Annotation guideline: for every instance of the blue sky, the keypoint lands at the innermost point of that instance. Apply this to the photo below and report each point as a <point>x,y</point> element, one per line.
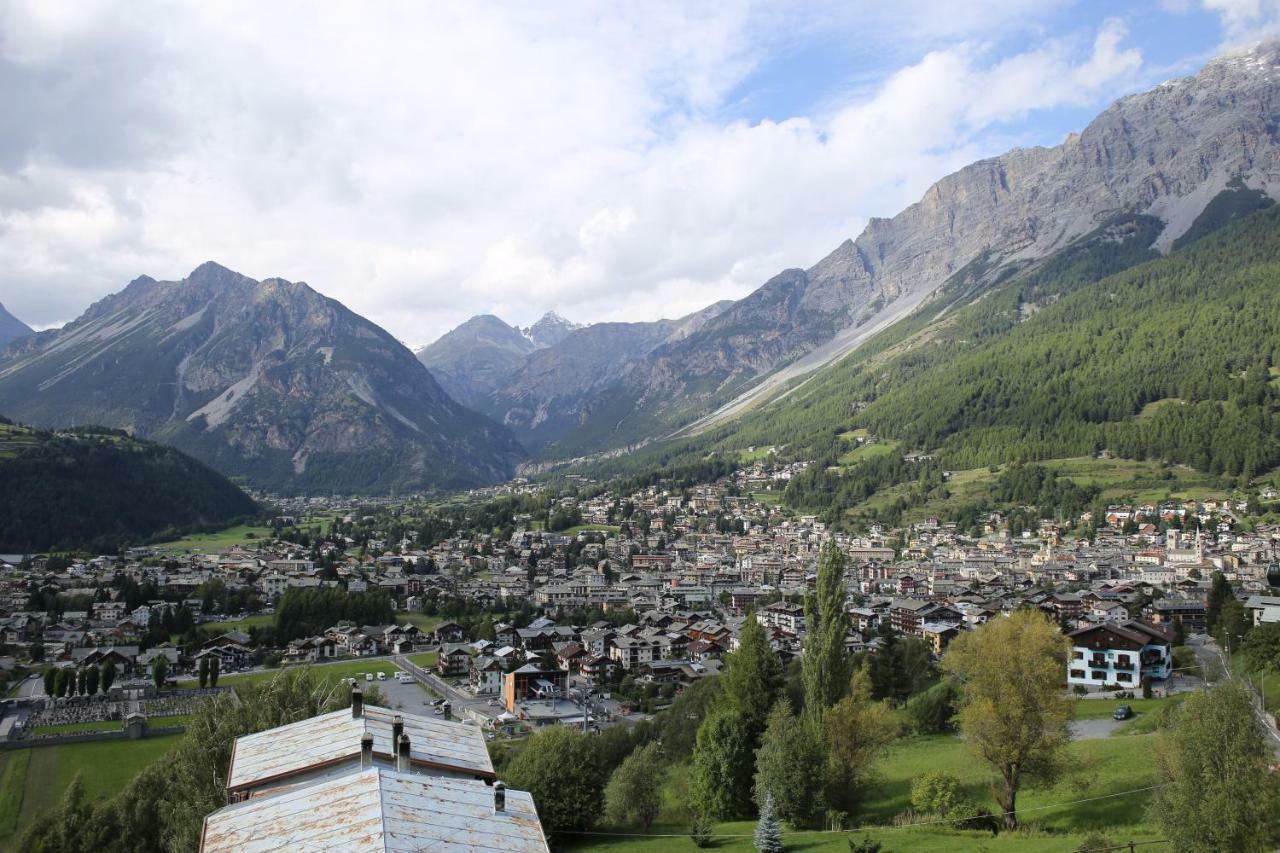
<point>609,160</point>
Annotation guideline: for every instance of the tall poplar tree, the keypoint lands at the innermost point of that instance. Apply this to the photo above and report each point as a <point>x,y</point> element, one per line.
<point>826,664</point>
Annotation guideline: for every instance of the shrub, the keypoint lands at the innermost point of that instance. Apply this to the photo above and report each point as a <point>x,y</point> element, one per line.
<point>700,831</point>
<point>936,793</point>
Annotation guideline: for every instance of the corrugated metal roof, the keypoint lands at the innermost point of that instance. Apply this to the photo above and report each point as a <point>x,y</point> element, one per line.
<point>335,737</point>
<point>375,810</point>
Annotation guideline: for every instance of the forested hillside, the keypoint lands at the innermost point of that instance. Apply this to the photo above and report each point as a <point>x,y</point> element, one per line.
<point>96,489</point>
<point>1099,348</point>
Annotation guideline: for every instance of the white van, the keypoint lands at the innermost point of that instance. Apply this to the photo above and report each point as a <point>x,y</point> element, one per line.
<point>382,676</point>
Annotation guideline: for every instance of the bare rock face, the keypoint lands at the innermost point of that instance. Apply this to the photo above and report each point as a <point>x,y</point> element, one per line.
<point>11,329</point>
<point>268,381</point>
<point>550,330</point>
<point>474,359</point>
<point>1167,153</point>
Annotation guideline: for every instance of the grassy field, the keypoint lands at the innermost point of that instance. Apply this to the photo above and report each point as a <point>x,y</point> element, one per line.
<point>258,620</point>
<point>771,498</point>
<point>421,621</point>
<point>867,451</point>
<point>1114,766</point>
<point>426,659</point>
<point>32,780</point>
<point>328,673</point>
<point>596,528</point>
<point>13,780</point>
<point>749,455</point>
<point>221,540</point>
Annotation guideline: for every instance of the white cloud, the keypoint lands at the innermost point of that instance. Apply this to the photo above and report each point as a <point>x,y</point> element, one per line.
<point>423,163</point>
<point>1246,21</point>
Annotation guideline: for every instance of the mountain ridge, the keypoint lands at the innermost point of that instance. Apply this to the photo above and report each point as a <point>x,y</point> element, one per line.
<point>1167,153</point>
<point>11,328</point>
<point>267,380</point>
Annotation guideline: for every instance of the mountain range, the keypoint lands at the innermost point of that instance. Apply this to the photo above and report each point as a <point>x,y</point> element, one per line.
<point>267,381</point>
<point>1166,154</point>
<point>275,384</point>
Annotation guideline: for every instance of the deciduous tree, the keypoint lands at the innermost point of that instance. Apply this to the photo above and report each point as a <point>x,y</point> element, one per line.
<point>826,663</point>
<point>635,788</point>
<point>1218,793</point>
<point>1014,715</point>
<point>561,768</point>
<point>855,734</point>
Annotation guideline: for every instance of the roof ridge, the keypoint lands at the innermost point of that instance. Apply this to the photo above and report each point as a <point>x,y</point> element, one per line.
<point>382,808</point>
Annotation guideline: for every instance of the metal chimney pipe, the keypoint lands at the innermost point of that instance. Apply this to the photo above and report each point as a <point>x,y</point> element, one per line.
<point>448,711</point>
<point>499,798</point>
<point>402,755</point>
<point>397,728</point>
<point>366,751</point>
<point>357,703</point>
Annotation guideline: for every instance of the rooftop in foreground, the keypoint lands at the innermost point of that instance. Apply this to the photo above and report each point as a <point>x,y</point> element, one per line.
<point>379,809</point>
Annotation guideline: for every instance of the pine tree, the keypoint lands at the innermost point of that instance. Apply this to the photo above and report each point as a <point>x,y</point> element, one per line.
<point>768,837</point>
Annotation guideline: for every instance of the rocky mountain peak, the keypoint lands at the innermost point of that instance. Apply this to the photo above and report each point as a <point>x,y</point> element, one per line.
<point>266,380</point>
<point>11,328</point>
<point>550,330</point>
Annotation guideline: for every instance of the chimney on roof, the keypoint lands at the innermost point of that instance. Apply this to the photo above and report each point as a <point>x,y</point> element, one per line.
<point>397,728</point>
<point>366,750</point>
<point>402,754</point>
<point>499,798</point>
<point>448,711</point>
<point>357,703</point>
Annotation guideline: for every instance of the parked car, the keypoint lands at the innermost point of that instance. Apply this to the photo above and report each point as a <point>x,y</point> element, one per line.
<point>1124,712</point>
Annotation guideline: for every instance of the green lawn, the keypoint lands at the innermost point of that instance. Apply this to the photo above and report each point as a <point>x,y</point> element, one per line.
<point>589,528</point>
<point>258,620</point>
<point>1116,765</point>
<point>13,779</point>
<point>868,451</point>
<point>329,673</point>
<point>747,455</point>
<point>421,621</point>
<point>220,540</point>
<point>425,659</point>
<point>33,779</point>
<point>771,498</point>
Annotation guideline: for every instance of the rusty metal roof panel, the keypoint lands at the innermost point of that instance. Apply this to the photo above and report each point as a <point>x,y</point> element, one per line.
<point>335,737</point>
<point>377,810</point>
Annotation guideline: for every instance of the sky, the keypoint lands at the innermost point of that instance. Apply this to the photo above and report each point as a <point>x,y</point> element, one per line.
<point>423,162</point>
